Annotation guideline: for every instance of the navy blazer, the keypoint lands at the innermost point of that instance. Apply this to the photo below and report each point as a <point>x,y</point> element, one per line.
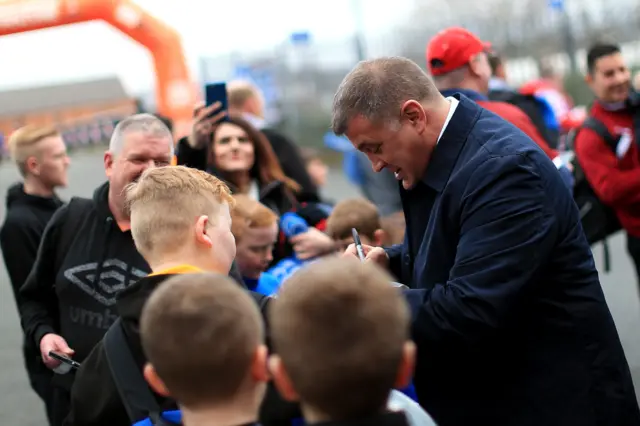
<point>510,320</point>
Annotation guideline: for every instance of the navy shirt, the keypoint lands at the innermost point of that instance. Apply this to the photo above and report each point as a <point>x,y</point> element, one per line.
<point>510,320</point>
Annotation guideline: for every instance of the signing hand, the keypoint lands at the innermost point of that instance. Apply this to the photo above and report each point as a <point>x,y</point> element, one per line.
<point>373,254</point>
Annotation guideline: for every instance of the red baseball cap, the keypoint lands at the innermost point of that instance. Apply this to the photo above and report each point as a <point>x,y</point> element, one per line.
<point>453,48</point>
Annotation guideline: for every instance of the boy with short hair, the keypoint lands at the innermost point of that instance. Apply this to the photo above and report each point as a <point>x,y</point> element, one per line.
<point>341,337</point>
<point>255,228</point>
<point>315,166</point>
<point>360,214</point>
<point>184,326</point>
<point>181,224</point>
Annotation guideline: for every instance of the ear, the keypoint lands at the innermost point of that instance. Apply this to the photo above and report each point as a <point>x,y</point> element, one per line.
<point>281,379</point>
<point>588,78</point>
<point>259,367</point>
<point>108,163</point>
<point>154,380</point>
<point>407,365</point>
<point>379,237</point>
<point>201,229</point>
<point>413,112</point>
<point>32,165</point>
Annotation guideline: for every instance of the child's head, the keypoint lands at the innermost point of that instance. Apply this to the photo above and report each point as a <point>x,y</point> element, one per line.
<point>203,339</point>
<point>316,168</point>
<point>341,335</point>
<point>255,228</point>
<point>181,215</point>
<point>355,213</point>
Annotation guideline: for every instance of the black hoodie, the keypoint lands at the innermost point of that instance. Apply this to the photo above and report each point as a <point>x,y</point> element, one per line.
<point>102,405</point>
<point>20,235</point>
<point>62,295</point>
<point>27,216</point>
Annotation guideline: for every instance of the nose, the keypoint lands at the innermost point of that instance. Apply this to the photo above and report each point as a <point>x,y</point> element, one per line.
<point>268,258</point>
<point>377,164</point>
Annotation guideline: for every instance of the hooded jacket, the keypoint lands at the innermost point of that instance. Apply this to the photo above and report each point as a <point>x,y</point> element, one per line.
<point>102,405</point>
<point>20,235</point>
<point>63,294</point>
<point>25,221</point>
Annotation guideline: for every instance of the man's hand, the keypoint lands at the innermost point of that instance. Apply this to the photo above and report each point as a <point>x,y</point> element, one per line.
<point>205,119</point>
<point>311,244</point>
<point>371,254</point>
<point>54,343</point>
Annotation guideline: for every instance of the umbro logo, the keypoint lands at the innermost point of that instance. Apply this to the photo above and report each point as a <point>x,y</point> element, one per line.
<point>115,276</point>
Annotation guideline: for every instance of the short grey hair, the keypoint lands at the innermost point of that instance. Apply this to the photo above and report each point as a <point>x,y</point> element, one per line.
<point>148,124</point>
<point>376,89</point>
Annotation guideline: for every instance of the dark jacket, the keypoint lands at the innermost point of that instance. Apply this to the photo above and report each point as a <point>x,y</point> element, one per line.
<point>614,178</point>
<point>509,317</point>
<point>93,405</point>
<point>20,235</point>
<point>63,294</point>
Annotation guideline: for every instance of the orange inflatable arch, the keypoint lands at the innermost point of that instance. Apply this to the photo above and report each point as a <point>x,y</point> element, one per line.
<point>175,91</point>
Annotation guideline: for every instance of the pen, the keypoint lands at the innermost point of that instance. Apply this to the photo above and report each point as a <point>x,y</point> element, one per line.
<point>356,240</point>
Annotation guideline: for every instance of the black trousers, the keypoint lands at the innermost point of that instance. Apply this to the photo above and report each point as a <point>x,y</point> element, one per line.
<point>60,405</point>
<point>39,377</point>
<point>633,247</point>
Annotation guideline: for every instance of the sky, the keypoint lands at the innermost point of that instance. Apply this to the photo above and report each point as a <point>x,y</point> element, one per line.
<point>208,28</point>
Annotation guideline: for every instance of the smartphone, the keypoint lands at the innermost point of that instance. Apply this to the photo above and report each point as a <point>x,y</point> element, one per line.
<point>217,92</point>
<point>65,360</point>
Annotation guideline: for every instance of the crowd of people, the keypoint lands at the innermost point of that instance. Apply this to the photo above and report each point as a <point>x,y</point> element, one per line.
<point>208,282</point>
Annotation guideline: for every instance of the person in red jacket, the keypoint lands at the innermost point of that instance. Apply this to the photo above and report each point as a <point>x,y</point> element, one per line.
<point>614,176</point>
<point>458,61</point>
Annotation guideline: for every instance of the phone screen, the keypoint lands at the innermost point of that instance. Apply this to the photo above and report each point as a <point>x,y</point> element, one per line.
<point>217,92</point>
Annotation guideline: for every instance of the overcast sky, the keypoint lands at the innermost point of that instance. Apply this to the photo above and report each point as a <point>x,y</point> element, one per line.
<point>208,28</point>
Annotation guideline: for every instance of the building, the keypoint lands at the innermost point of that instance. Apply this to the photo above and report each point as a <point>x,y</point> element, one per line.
<point>84,111</point>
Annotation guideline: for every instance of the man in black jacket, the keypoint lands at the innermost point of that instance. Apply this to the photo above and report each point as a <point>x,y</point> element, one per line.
<point>87,256</point>
<point>41,157</point>
<point>192,235</point>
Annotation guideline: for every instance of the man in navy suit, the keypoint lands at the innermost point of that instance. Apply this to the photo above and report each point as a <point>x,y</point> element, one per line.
<point>509,318</point>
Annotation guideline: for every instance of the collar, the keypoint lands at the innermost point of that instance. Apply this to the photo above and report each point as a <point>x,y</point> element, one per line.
<point>175,270</point>
<point>452,108</point>
<point>395,418</point>
<point>471,94</point>
<point>453,138</point>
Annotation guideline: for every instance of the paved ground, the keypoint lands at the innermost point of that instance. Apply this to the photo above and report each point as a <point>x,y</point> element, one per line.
<point>19,407</point>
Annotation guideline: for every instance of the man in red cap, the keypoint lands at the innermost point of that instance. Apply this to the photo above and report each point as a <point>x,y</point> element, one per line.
<point>459,63</point>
